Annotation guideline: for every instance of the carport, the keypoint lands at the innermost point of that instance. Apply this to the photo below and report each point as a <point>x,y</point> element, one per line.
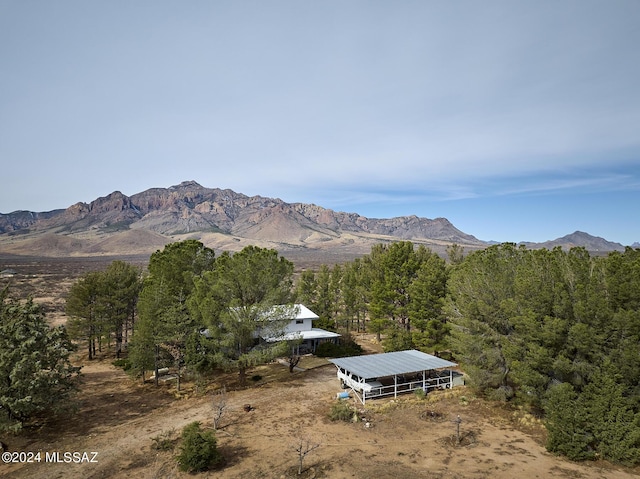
<point>388,374</point>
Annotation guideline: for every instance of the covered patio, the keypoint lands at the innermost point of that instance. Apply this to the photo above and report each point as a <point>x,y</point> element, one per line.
<point>389,374</point>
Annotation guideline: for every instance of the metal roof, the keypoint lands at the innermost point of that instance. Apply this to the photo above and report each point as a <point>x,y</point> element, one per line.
<point>391,364</point>
<point>313,333</point>
<point>300,311</point>
<point>304,312</point>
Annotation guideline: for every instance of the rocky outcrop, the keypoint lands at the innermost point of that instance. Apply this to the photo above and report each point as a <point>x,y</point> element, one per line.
<point>22,221</point>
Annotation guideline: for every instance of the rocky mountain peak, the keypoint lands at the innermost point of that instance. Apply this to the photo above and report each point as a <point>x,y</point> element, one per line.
<point>186,184</point>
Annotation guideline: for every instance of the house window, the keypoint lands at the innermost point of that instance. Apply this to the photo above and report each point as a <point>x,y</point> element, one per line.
<point>299,321</point>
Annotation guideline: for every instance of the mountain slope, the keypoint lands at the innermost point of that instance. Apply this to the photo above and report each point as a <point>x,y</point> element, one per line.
<point>215,216</point>
<point>580,239</point>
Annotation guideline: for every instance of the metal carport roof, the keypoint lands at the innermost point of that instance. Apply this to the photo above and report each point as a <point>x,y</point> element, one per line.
<point>391,364</point>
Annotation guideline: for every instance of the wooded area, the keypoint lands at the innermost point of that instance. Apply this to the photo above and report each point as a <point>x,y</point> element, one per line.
<point>554,331</point>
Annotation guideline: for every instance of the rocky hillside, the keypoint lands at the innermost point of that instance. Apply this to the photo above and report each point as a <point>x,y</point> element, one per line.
<point>220,218</point>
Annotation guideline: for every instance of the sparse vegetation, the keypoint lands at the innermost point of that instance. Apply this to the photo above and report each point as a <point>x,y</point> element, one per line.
<point>165,441</point>
<point>342,411</point>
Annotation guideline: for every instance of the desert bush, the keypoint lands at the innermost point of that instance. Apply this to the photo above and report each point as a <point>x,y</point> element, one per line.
<point>198,451</point>
<point>341,411</point>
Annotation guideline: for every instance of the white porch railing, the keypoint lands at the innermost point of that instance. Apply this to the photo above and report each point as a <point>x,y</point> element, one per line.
<point>382,388</point>
<point>393,389</point>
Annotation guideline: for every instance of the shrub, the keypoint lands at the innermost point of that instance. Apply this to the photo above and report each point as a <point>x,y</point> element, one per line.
<point>341,411</point>
<point>346,347</point>
<point>198,451</point>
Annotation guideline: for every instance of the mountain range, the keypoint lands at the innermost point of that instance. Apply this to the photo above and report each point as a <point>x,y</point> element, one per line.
<point>223,219</point>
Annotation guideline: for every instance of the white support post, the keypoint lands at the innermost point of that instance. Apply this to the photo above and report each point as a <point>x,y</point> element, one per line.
<point>395,385</point>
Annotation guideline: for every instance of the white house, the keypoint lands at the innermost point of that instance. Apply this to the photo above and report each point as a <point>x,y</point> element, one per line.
<point>301,328</point>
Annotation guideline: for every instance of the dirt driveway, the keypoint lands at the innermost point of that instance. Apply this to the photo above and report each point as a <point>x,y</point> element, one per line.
<point>406,437</point>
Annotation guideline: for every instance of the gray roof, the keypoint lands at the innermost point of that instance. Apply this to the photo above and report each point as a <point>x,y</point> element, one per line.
<point>391,364</point>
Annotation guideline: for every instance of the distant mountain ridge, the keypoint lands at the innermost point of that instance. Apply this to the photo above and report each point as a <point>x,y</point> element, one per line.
<point>579,239</point>
<point>189,207</point>
<point>222,218</point>
<point>218,217</point>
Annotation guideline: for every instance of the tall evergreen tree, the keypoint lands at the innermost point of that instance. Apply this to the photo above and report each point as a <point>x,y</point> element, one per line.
<point>559,331</point>
<point>236,301</point>
<point>120,289</point>
<point>102,304</point>
<point>164,318</point>
<point>355,294</point>
<point>85,312</point>
<point>394,268</point>
<point>482,307</point>
<point>427,293</point>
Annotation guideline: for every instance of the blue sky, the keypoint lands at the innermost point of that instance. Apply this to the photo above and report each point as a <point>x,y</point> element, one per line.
<point>517,121</point>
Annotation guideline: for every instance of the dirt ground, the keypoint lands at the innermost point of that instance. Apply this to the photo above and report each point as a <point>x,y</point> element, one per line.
<point>119,418</point>
<point>122,420</point>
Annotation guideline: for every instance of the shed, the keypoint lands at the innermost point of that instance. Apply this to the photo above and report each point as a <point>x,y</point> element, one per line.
<point>387,374</point>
